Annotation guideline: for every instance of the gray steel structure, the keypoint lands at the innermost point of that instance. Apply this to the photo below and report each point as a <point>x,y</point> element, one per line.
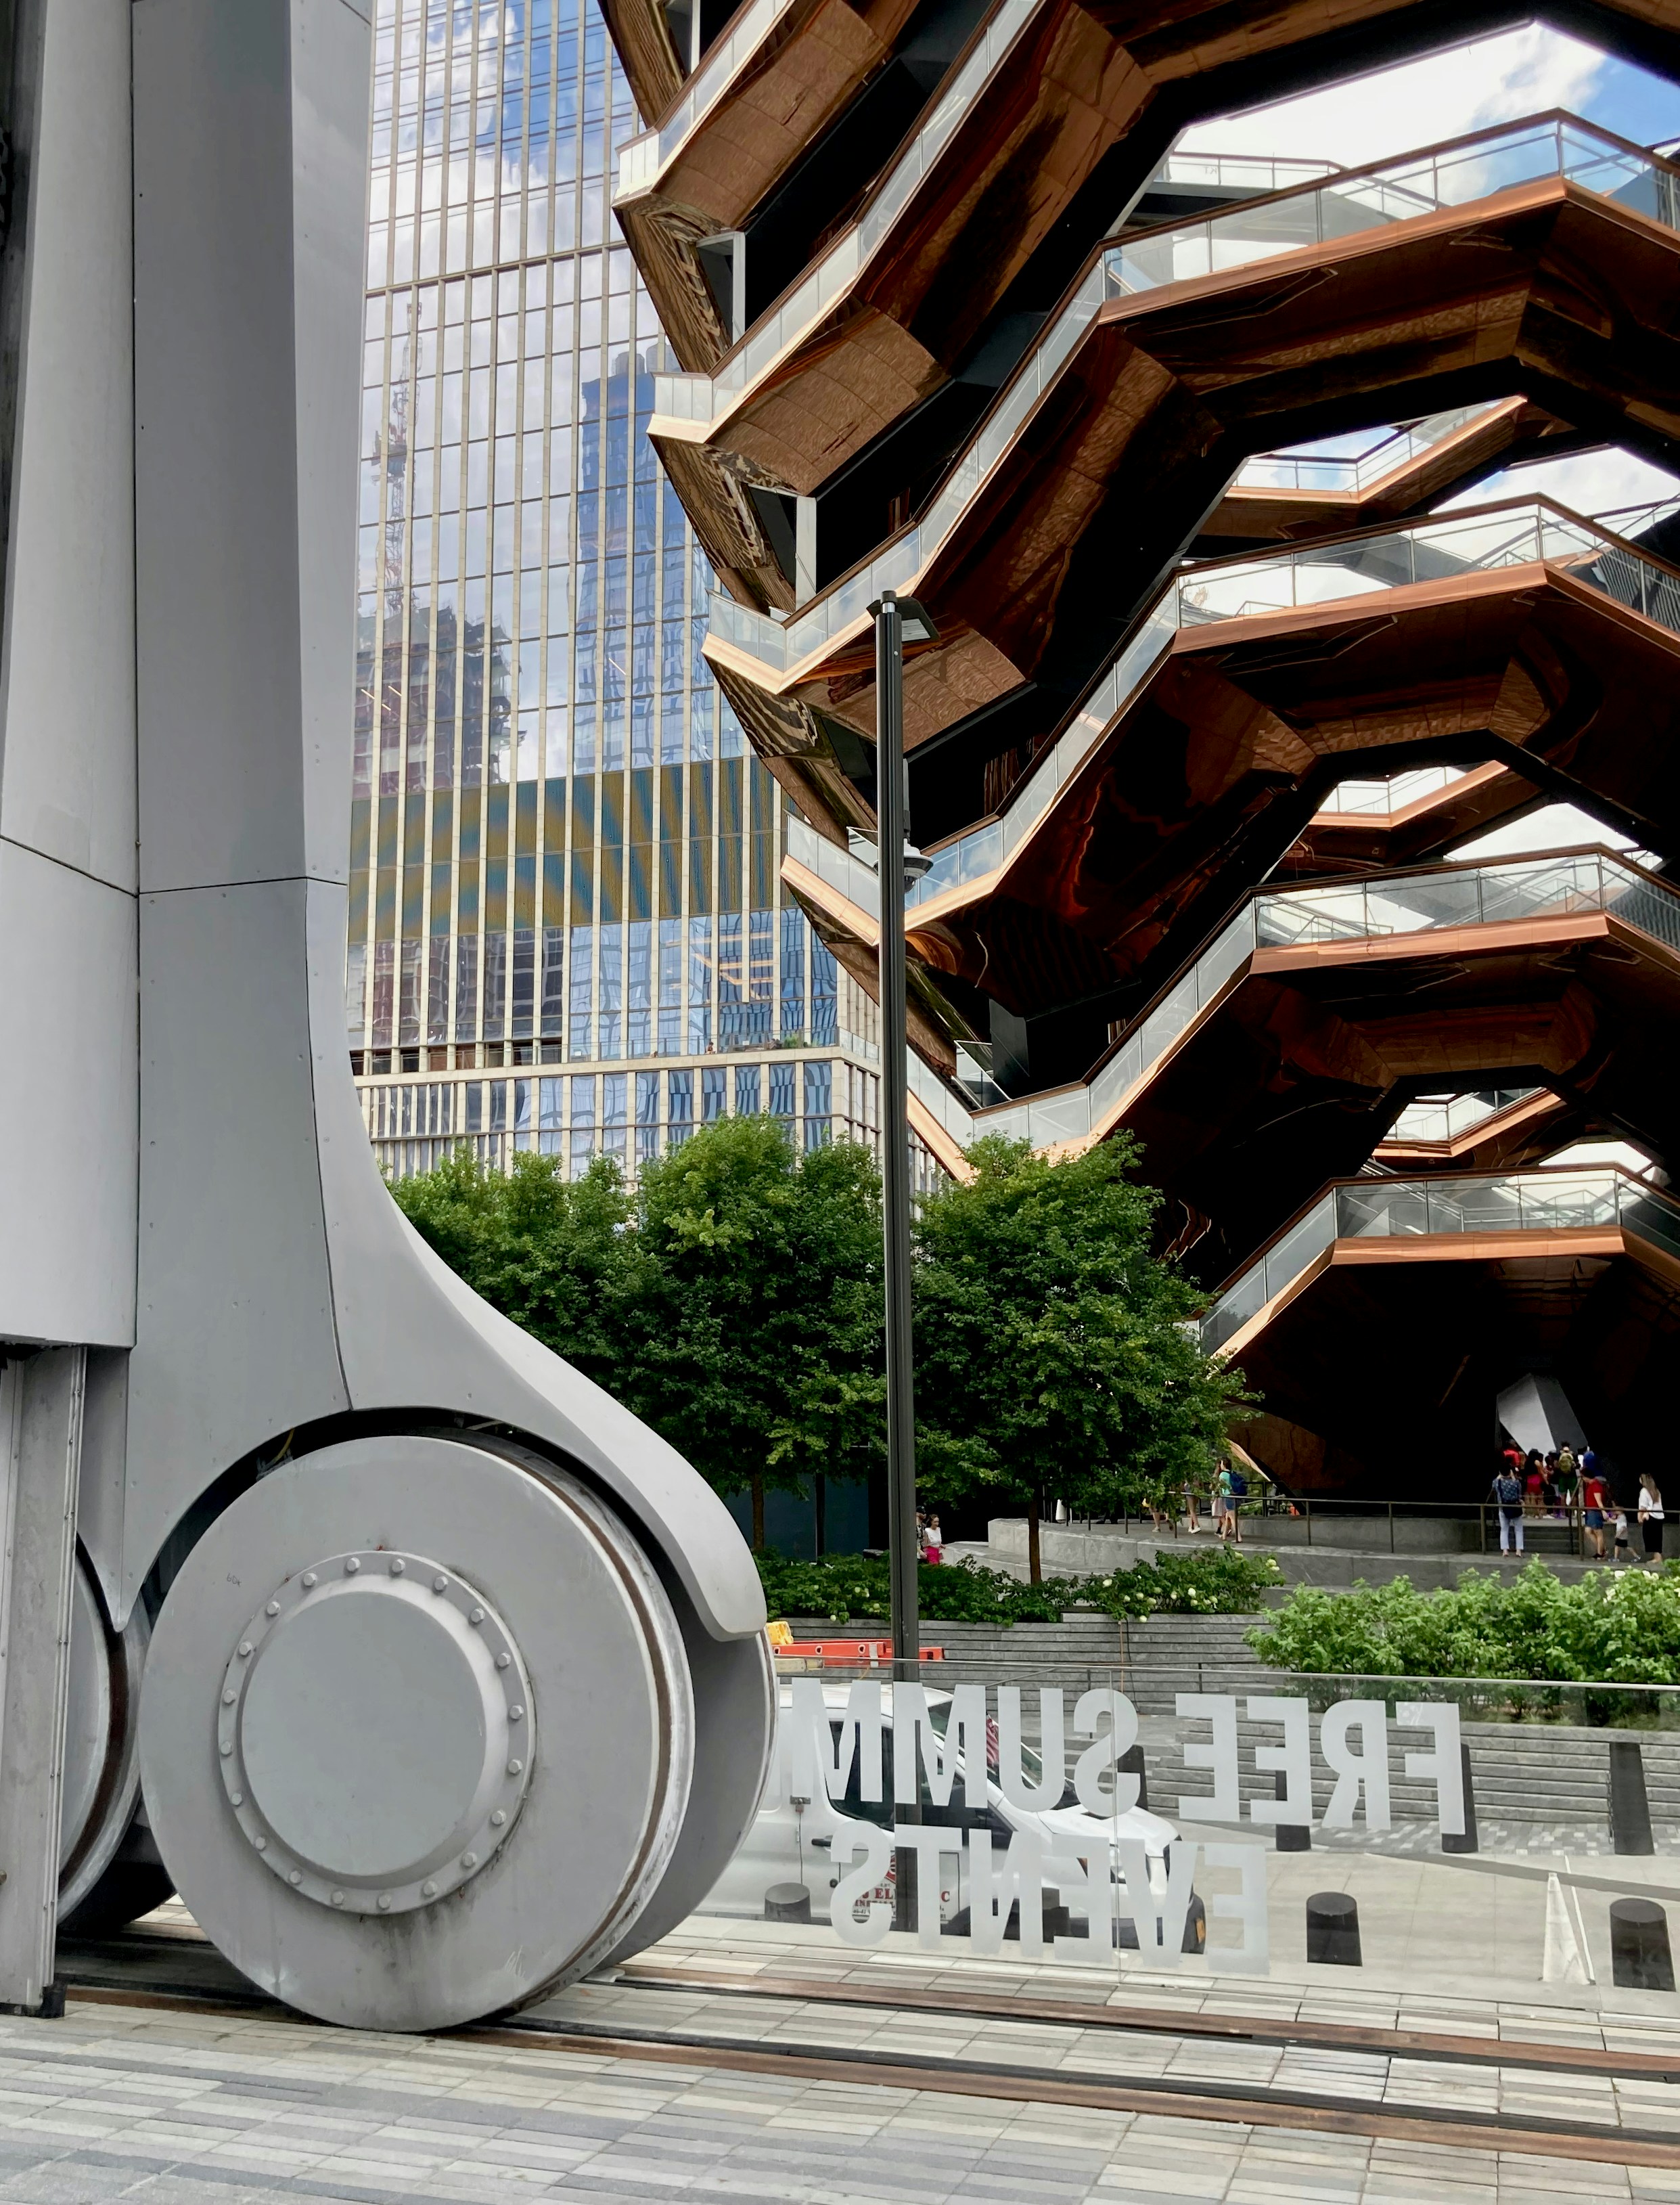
<point>457,1679</point>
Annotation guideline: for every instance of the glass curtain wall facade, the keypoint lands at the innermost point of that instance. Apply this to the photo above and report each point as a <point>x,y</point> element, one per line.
<point>567,930</point>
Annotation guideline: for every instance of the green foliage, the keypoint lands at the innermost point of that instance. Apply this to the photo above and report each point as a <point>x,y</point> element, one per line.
<point>752,1310</point>
<point>846,1587</point>
<point>548,1253</point>
<point>1052,1352</point>
<point>733,1302</point>
<point>1610,1627</point>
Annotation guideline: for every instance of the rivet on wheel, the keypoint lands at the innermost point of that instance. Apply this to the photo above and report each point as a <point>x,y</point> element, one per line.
<point>237,1799</point>
<point>398,1566</point>
<point>477,1616</point>
<point>338,1899</point>
<point>245,1650</point>
<point>499,1817</point>
<point>310,1580</point>
<point>384,1902</point>
<point>428,1891</point>
<point>296,1876</point>
<point>226,1747</point>
<point>273,1609</point>
<point>514,1767</point>
<point>504,1661</point>
<point>469,1860</point>
<point>228,1697</point>
<point>352,1566</point>
<point>261,1844</point>
<point>440,1584</point>
<point>516,1713</point>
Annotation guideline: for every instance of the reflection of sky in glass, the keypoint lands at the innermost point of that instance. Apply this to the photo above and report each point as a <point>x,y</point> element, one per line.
<point>558,842</point>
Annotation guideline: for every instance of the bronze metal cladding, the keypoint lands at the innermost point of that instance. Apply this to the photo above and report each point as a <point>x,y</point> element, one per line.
<point>1538,319</point>
<point>1546,290</point>
<point>1208,776</point>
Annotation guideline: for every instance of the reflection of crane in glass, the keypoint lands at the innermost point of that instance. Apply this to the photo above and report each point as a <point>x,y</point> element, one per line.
<point>393,456</point>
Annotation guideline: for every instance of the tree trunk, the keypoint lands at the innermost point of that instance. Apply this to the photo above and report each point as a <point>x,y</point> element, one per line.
<point>758,1511</point>
<point>1035,1566</point>
<point>820,1506</point>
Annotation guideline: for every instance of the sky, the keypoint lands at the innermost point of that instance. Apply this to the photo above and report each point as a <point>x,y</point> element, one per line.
<point>1494,80</point>
<point>1477,87</point>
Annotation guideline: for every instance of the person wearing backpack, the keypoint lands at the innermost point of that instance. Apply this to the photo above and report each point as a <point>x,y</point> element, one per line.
<point>1239,1493</point>
<point>1507,1496</point>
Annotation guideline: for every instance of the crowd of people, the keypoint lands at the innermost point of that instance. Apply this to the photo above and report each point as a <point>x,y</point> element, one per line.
<point>1560,1485</point>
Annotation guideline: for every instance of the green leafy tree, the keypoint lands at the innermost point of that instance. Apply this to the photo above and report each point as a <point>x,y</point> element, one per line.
<point>750,1308</point>
<point>548,1252</point>
<point>1053,1353</point>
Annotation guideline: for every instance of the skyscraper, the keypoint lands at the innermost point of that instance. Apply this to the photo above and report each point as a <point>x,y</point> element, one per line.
<point>567,929</point>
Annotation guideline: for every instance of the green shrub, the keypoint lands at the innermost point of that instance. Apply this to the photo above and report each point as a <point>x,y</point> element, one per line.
<point>1620,1627</point>
<point>854,1587</point>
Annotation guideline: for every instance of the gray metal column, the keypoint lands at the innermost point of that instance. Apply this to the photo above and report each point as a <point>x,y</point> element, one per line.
<point>41,1398</point>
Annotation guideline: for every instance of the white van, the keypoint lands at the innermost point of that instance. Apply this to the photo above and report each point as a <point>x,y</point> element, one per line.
<point>809,1841</point>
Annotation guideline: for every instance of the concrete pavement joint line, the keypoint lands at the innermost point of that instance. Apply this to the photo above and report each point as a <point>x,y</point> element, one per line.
<point>971,2077</point>
<point>1468,2051</point>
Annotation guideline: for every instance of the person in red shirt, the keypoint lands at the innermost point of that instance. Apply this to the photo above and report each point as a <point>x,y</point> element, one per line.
<point>1534,1483</point>
<point>1595,1503</point>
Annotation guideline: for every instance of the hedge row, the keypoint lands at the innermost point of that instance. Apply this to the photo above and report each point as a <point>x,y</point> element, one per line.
<point>1610,1627</point>
<point>1207,1581</point>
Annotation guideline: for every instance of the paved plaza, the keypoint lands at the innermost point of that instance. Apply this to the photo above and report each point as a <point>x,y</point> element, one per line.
<point>176,2105</point>
<point>115,2102</point>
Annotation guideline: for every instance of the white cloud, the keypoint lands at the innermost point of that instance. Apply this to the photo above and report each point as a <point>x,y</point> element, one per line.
<point>1471,87</point>
<point>1586,482</point>
<point>1595,1155</point>
<point>1553,827</point>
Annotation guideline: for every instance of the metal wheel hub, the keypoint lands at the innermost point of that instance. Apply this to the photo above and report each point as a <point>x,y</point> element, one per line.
<point>375,1732</point>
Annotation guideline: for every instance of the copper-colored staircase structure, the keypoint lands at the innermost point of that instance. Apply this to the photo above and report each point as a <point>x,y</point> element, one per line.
<point>1208,713</point>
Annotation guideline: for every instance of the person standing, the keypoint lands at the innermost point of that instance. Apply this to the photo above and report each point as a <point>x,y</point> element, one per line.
<point>1623,1553</point>
<point>1508,1495</point>
<point>1594,1505</point>
<point>1533,1483</point>
<point>1190,1506</point>
<point>1223,1519</point>
<point>1651,1516</point>
<point>934,1550</point>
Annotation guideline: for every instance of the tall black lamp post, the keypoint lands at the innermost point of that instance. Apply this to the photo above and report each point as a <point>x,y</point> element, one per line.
<point>898,621</point>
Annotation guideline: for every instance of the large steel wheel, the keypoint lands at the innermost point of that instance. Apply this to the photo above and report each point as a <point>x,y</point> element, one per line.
<point>417,1732</point>
<point>102,1773</point>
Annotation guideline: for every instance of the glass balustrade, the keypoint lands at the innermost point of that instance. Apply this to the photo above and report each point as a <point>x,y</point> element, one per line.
<point>1251,172</point>
<point>1381,798</point>
<point>641,159</point>
<point>1448,1118</point>
<point>1526,1202</point>
<point>1529,533</point>
<point>701,397</point>
<point>1523,888</point>
<point>1351,473</point>
<point>1352,203</point>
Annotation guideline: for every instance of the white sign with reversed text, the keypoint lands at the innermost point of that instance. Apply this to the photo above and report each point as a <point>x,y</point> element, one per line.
<point>985,1799</point>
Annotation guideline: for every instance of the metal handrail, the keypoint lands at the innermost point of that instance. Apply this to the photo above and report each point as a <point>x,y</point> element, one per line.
<point>1115,270</point>
<point>1489,892</point>
<point>1536,531</point>
<point>1492,1203</point>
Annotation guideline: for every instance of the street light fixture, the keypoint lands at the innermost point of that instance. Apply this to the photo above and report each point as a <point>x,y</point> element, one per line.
<point>898,621</point>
